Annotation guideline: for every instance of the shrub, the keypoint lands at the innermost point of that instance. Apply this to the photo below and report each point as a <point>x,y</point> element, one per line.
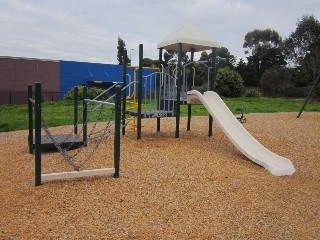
<point>91,93</point>
<point>253,92</point>
<point>229,83</point>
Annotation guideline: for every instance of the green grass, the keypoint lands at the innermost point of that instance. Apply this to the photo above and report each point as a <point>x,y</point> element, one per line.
<point>257,105</point>
<point>15,117</point>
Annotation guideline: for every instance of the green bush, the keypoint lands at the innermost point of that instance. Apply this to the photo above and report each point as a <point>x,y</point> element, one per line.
<point>229,83</point>
<point>253,92</point>
<point>91,93</point>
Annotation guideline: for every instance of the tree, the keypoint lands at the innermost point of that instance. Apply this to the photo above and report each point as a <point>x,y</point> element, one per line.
<point>121,47</point>
<point>148,62</point>
<point>248,74</point>
<point>275,82</point>
<point>303,47</point>
<point>171,57</point>
<point>229,83</point>
<point>264,48</point>
<point>224,58</point>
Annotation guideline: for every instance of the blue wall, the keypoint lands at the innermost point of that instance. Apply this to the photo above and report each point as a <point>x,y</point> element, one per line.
<point>82,73</point>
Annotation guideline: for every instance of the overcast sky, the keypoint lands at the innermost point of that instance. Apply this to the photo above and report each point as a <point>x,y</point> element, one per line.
<point>83,30</point>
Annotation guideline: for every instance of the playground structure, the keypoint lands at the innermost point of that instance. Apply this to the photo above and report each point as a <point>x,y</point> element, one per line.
<point>172,91</point>
<point>65,142</point>
<point>157,95</point>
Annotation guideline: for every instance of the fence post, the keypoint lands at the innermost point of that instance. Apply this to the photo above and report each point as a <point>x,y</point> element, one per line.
<point>117,132</point>
<point>30,110</point>
<point>75,119</point>
<point>38,134</point>
<point>85,124</point>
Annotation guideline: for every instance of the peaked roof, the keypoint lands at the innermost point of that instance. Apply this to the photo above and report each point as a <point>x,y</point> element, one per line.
<point>191,38</point>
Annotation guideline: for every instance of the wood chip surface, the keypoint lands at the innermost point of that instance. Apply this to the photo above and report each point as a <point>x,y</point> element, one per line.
<point>194,187</point>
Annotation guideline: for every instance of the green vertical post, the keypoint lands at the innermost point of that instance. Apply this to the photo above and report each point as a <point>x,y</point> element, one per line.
<point>140,91</point>
<point>85,107</point>
<point>75,110</point>
<point>117,132</point>
<point>37,134</point>
<point>30,110</point>
<point>189,105</point>
<point>160,62</point>
<point>124,80</point>
<point>178,91</point>
<point>212,85</point>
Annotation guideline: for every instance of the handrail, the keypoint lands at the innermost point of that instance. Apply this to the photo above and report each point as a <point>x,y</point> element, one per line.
<point>129,85</point>
<point>99,102</point>
<point>202,62</point>
<point>107,90</point>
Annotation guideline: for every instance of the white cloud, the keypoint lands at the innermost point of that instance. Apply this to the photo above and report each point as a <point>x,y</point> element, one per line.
<point>88,30</point>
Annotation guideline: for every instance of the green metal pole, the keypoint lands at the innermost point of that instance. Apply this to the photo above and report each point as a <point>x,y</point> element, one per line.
<point>85,125</point>
<point>178,91</point>
<point>309,96</point>
<point>212,85</point>
<point>117,132</point>
<point>30,110</point>
<point>124,80</point>
<point>189,105</point>
<point>160,62</point>
<point>140,91</point>
<point>75,111</point>
<point>38,134</point>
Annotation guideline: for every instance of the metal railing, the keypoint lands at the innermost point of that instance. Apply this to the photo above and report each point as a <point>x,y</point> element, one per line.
<point>160,91</point>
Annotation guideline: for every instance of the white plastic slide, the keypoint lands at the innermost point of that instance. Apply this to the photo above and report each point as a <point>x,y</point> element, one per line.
<point>239,136</point>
